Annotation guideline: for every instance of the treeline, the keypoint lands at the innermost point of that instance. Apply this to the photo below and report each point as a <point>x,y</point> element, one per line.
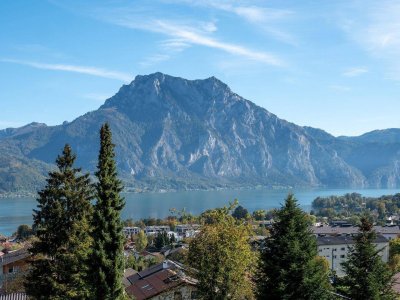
<point>78,242</point>
<point>354,204</point>
<point>287,265</point>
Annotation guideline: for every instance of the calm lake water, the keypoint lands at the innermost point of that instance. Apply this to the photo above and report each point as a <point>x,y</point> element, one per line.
<point>16,211</point>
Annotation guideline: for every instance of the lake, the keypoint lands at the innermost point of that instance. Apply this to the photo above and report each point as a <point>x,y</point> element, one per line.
<point>16,211</point>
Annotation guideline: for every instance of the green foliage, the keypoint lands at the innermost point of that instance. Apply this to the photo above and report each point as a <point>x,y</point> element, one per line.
<point>259,215</point>
<point>141,241</point>
<point>24,232</point>
<point>394,254</point>
<point>354,204</point>
<point>290,268</point>
<point>140,263</point>
<point>107,261</point>
<point>367,276</point>
<point>240,213</point>
<point>62,230</point>
<point>161,240</point>
<point>222,257</point>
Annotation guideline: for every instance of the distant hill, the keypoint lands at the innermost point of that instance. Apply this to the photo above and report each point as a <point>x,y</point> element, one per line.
<point>173,133</point>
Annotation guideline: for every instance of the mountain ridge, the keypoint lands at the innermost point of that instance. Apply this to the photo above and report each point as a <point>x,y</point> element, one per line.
<point>173,133</point>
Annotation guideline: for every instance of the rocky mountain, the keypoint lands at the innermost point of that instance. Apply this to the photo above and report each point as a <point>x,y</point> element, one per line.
<point>173,133</point>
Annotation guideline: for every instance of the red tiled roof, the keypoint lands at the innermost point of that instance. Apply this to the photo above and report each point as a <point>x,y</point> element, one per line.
<point>154,284</point>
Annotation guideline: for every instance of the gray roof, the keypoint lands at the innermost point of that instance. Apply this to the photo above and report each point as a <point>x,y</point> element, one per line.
<point>340,240</point>
<point>167,264</point>
<point>14,256</point>
<point>354,229</point>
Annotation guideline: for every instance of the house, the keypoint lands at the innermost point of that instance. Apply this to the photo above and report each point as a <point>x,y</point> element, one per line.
<point>166,280</point>
<point>389,232</point>
<point>151,230</point>
<point>128,231</point>
<point>127,273</point>
<point>13,263</point>
<point>184,228</point>
<point>335,249</point>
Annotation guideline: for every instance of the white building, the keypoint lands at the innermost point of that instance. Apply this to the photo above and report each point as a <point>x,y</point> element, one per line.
<point>128,231</point>
<point>335,249</point>
<point>184,228</point>
<point>150,230</point>
<point>389,232</point>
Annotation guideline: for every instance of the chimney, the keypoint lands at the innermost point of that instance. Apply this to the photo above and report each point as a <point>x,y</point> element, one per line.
<point>165,264</point>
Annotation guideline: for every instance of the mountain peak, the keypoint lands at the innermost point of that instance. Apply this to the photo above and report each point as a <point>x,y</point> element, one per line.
<point>169,93</point>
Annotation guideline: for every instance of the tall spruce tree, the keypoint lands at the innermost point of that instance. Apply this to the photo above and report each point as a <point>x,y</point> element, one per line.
<point>62,226</point>
<point>367,276</point>
<point>290,267</point>
<point>107,261</point>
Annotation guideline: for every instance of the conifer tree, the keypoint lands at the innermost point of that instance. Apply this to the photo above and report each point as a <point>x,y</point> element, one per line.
<point>290,267</point>
<point>62,226</point>
<point>107,261</point>
<point>367,276</point>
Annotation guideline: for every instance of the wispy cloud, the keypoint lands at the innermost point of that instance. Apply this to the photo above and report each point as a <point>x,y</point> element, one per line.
<point>193,36</point>
<point>339,88</point>
<point>10,124</point>
<point>99,97</point>
<point>93,71</point>
<point>154,59</point>
<point>353,72</point>
<point>263,17</point>
<point>375,27</point>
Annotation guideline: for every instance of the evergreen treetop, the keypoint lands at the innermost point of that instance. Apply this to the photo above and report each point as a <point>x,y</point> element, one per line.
<point>107,261</point>
<point>62,228</point>
<point>367,276</point>
<point>290,267</point>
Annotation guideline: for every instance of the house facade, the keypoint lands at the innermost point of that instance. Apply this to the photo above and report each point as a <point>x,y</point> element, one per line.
<point>335,248</point>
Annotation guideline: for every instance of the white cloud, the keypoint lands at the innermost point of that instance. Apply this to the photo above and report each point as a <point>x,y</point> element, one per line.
<point>99,72</point>
<point>262,17</point>
<point>375,27</point>
<point>339,88</point>
<point>154,59</point>
<point>353,72</point>
<point>10,124</point>
<point>194,36</point>
<point>100,97</point>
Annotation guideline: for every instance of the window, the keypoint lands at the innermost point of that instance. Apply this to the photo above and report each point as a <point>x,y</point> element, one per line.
<point>343,248</point>
<point>342,256</point>
<point>11,270</point>
<point>334,256</point>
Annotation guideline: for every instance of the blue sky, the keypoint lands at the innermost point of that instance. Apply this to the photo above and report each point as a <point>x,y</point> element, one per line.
<point>334,65</point>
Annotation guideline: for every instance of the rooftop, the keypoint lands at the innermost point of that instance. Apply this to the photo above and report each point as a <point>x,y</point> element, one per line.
<point>157,279</point>
<point>354,230</point>
<point>14,256</point>
<point>343,240</point>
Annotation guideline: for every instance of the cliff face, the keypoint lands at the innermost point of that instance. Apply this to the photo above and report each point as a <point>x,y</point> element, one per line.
<point>175,133</point>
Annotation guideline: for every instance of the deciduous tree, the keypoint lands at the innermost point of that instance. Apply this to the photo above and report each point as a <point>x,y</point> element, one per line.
<point>222,257</point>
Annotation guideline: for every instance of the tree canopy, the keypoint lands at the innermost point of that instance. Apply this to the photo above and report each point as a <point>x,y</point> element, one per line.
<point>290,267</point>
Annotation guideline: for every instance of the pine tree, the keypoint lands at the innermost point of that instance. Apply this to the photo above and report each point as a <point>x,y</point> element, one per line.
<point>107,260</point>
<point>62,226</point>
<point>290,267</point>
<point>367,276</point>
